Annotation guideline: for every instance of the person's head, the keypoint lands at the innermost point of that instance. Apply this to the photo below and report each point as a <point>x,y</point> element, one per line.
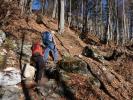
<point>52,32</point>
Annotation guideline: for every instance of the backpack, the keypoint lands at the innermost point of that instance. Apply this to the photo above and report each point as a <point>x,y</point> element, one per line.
<point>36,5</point>
<point>37,49</point>
<point>47,38</point>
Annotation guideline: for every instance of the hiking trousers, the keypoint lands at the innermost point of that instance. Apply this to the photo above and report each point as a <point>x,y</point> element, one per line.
<point>39,65</point>
<point>54,51</point>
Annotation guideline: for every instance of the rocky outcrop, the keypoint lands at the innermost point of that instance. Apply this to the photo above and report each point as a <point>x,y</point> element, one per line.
<point>90,38</point>
<point>73,65</point>
<point>3,58</point>
<point>10,93</point>
<point>2,37</point>
<point>74,84</point>
<point>97,54</point>
<point>24,50</point>
<point>28,71</point>
<point>111,83</point>
<point>10,76</point>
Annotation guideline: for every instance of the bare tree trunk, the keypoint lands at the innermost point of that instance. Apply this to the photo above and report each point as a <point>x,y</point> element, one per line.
<point>118,33</point>
<point>22,5</point>
<point>128,33</point>
<point>85,15</point>
<point>111,23</point>
<point>57,9</point>
<point>117,23</point>
<point>82,10</point>
<point>124,24</point>
<point>43,6</point>
<point>101,27</point>
<point>31,6</point>
<point>109,31</point>
<point>54,10</point>
<point>95,18</point>
<point>25,6</point>
<point>69,14</point>
<point>130,27</point>
<point>97,15</point>
<point>61,17</point>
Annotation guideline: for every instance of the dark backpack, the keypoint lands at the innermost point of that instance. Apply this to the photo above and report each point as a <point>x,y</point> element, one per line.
<point>47,38</point>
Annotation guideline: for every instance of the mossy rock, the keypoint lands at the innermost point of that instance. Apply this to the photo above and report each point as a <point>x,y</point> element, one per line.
<point>94,81</point>
<point>2,61</point>
<point>9,93</point>
<point>10,44</point>
<point>65,75</point>
<point>40,19</point>
<point>74,65</point>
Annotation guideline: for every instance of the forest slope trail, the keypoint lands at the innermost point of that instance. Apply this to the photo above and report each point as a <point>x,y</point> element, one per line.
<point>69,44</point>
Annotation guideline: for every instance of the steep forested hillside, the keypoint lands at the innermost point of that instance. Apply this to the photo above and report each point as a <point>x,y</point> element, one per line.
<point>94,43</point>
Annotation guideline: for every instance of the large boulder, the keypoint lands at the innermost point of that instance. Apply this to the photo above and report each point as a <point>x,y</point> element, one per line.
<point>10,76</point>
<point>98,54</point>
<point>73,64</point>
<point>28,71</point>
<point>24,49</point>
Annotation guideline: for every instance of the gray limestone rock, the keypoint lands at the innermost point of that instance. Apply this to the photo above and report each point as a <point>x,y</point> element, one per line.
<point>2,37</point>
<point>9,93</point>
<point>10,76</point>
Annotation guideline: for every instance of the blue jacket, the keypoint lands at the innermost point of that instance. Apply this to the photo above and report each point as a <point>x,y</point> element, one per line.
<point>36,5</point>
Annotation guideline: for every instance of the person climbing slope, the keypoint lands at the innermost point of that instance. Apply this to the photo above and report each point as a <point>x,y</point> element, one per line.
<point>49,42</point>
<point>36,9</point>
<point>37,59</point>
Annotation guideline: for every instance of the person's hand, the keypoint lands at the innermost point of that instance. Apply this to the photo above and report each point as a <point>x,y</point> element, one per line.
<point>43,46</point>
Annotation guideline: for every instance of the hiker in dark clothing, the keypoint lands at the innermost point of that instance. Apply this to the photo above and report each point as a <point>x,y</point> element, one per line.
<point>49,42</point>
<point>37,58</point>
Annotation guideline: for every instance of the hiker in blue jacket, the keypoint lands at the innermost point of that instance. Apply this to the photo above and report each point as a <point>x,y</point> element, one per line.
<point>36,5</point>
<point>49,42</point>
